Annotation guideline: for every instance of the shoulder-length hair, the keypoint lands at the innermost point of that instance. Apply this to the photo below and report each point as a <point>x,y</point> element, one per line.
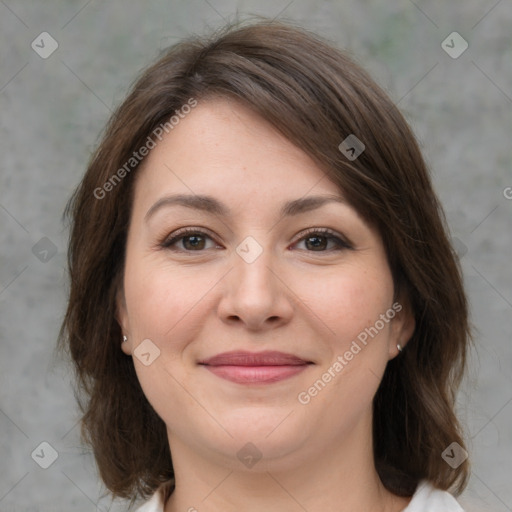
<point>316,96</point>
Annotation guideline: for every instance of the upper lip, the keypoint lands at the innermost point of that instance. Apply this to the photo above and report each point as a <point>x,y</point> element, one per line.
<point>243,358</point>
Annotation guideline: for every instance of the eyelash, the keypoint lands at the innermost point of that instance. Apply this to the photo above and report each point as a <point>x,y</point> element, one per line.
<point>186,232</point>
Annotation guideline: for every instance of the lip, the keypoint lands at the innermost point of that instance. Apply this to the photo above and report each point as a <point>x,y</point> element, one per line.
<point>255,367</point>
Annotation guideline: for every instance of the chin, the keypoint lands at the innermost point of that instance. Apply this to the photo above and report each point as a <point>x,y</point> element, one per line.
<point>272,433</point>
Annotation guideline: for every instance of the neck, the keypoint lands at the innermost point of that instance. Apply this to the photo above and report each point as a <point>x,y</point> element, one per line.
<point>340,478</point>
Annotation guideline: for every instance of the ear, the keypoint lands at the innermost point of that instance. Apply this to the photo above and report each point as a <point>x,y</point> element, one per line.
<point>122,320</point>
<point>402,327</point>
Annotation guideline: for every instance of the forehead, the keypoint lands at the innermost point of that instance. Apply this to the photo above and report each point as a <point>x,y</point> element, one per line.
<point>223,148</point>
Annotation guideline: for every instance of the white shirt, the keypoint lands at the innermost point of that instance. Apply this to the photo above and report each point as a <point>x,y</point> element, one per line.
<point>425,499</point>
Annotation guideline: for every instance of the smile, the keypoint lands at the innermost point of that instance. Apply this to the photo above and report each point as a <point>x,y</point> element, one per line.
<point>255,368</point>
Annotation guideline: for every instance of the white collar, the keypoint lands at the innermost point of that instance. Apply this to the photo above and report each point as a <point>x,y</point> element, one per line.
<point>426,499</point>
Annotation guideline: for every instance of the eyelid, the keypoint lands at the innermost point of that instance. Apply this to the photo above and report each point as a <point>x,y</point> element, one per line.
<point>183,232</point>
<point>341,241</point>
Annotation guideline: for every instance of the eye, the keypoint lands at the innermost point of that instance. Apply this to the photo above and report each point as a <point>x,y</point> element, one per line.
<point>323,240</point>
<point>189,240</point>
<point>197,240</point>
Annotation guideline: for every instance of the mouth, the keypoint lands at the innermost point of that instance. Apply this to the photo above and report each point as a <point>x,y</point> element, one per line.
<point>255,368</point>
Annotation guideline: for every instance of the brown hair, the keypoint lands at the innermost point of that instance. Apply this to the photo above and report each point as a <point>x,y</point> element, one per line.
<point>316,96</point>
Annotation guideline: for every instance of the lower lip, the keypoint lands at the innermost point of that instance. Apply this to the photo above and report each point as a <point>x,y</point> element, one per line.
<point>256,374</point>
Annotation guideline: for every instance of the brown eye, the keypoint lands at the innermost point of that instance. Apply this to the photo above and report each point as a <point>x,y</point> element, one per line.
<point>188,240</point>
<point>193,242</point>
<point>316,243</point>
<point>323,240</point>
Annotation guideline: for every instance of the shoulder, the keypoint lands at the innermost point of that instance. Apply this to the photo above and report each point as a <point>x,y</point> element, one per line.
<point>429,499</point>
<point>154,504</point>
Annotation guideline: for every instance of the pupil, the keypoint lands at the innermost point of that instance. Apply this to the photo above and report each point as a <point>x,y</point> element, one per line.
<point>195,241</point>
<point>319,241</point>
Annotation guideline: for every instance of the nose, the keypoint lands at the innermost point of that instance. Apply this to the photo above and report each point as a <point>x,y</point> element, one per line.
<point>255,295</point>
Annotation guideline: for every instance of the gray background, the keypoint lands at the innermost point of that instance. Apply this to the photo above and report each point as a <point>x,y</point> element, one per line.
<point>53,110</point>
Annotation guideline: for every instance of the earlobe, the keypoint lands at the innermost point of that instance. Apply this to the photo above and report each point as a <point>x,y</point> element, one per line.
<point>122,319</point>
<point>126,346</point>
<point>402,331</point>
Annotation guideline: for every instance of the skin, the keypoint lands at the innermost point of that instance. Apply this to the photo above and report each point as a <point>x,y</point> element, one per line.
<point>199,298</point>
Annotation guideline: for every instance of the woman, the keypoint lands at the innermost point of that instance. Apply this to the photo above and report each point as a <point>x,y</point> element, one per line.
<point>265,311</point>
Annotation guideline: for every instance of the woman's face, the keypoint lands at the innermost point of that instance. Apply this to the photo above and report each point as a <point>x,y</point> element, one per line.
<point>270,320</point>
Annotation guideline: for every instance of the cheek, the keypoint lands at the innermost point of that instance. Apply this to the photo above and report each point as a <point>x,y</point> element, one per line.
<point>347,300</point>
<point>161,299</point>
<point>165,305</point>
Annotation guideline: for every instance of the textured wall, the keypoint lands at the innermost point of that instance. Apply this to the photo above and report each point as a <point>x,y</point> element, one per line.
<point>53,109</point>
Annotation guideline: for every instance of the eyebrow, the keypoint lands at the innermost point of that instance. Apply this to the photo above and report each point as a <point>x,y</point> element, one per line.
<point>211,205</point>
